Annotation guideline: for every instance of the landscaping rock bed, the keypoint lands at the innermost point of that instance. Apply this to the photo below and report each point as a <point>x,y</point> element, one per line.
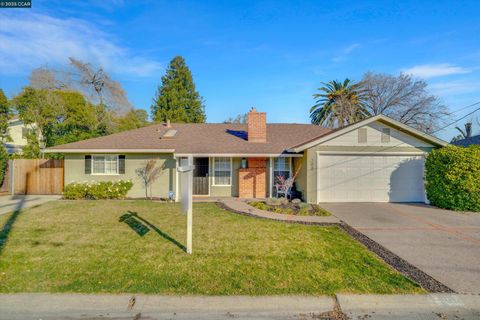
<point>283,206</point>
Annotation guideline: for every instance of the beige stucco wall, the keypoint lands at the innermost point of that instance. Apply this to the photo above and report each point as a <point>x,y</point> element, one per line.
<point>15,132</point>
<point>348,142</point>
<point>300,165</point>
<point>75,172</point>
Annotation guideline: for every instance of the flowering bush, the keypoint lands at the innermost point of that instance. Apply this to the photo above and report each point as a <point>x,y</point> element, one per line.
<point>98,190</point>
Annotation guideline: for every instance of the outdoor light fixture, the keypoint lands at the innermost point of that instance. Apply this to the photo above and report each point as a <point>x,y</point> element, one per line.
<point>244,163</point>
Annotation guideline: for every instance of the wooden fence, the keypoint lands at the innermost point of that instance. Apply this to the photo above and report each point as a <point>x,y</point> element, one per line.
<point>37,176</point>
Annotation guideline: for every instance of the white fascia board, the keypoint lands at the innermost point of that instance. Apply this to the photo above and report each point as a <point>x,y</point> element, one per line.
<point>109,150</point>
<point>239,155</point>
<point>357,125</point>
<point>375,153</point>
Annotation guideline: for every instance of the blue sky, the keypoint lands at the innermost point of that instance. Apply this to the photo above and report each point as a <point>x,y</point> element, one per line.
<point>268,54</point>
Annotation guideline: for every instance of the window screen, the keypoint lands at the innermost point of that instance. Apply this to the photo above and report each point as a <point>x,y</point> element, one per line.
<point>105,164</point>
<point>222,172</point>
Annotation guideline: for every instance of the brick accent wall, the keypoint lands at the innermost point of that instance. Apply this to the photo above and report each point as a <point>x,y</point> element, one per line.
<point>257,126</point>
<point>252,181</point>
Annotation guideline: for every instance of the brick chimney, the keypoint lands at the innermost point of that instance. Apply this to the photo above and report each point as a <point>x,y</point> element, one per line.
<point>257,126</point>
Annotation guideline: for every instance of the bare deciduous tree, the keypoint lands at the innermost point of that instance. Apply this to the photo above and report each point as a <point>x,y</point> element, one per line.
<point>239,119</point>
<point>285,185</point>
<point>98,85</point>
<point>403,99</point>
<point>148,173</point>
<point>46,78</point>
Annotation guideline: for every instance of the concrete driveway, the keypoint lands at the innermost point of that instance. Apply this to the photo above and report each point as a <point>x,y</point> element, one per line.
<point>13,203</point>
<point>442,243</point>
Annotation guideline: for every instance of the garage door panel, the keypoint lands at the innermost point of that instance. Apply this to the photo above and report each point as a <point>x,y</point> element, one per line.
<point>370,178</point>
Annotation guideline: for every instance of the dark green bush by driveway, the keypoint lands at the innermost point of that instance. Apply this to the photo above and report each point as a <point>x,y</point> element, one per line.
<point>453,178</point>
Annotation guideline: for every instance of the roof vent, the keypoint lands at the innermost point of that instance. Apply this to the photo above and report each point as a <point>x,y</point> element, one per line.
<point>171,133</point>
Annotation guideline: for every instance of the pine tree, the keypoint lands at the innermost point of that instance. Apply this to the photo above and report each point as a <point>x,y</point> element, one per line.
<point>176,98</point>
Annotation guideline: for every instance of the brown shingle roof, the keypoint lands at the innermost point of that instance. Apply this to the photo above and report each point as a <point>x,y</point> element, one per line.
<point>203,139</point>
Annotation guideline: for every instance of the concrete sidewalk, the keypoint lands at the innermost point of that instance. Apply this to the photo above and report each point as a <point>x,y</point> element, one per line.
<point>13,203</point>
<point>79,306</point>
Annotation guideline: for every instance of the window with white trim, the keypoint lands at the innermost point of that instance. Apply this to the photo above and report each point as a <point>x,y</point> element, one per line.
<point>105,164</point>
<point>222,171</point>
<point>281,168</point>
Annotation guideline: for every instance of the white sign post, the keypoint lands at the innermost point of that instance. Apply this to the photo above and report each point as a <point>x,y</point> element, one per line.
<point>186,178</point>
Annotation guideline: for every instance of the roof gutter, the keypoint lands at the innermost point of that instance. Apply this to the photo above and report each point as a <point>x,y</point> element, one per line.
<point>109,150</point>
<point>240,155</point>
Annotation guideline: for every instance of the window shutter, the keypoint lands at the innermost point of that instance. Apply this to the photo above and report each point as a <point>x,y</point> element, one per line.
<point>362,135</point>
<point>121,164</point>
<point>88,164</point>
<point>386,135</point>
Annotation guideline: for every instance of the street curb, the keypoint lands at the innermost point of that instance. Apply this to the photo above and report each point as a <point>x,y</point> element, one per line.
<point>435,301</point>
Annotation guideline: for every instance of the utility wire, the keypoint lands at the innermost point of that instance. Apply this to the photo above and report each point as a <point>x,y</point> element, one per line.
<point>448,125</point>
<point>469,106</point>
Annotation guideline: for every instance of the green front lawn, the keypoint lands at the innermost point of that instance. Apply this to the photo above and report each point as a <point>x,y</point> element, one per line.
<point>137,246</point>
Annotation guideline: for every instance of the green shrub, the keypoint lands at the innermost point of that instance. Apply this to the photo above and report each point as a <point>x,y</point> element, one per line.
<point>75,191</point>
<point>3,163</point>
<point>453,178</point>
<point>259,205</point>
<point>284,207</point>
<point>98,190</point>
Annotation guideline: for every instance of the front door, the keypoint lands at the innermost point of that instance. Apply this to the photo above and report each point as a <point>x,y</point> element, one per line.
<point>200,176</point>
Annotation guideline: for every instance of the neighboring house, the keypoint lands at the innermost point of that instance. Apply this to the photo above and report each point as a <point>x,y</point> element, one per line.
<point>375,160</point>
<point>467,141</point>
<point>18,132</point>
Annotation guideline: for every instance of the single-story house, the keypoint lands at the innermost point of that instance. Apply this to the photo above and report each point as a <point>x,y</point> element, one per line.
<point>467,141</point>
<point>375,160</point>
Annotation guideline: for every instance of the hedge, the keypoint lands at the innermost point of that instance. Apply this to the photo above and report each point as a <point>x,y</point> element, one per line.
<point>98,190</point>
<point>453,178</point>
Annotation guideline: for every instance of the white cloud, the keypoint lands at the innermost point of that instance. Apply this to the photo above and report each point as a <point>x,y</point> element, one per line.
<point>345,52</point>
<point>454,87</point>
<point>435,70</point>
<point>30,40</point>
<point>351,47</point>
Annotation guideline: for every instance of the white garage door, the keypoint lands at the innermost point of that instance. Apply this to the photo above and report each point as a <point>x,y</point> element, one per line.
<point>370,178</point>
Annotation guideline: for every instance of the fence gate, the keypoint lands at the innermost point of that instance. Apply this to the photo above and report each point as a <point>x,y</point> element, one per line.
<point>37,176</point>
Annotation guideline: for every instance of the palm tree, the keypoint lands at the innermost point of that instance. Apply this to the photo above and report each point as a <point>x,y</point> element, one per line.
<point>338,104</point>
<point>468,130</point>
